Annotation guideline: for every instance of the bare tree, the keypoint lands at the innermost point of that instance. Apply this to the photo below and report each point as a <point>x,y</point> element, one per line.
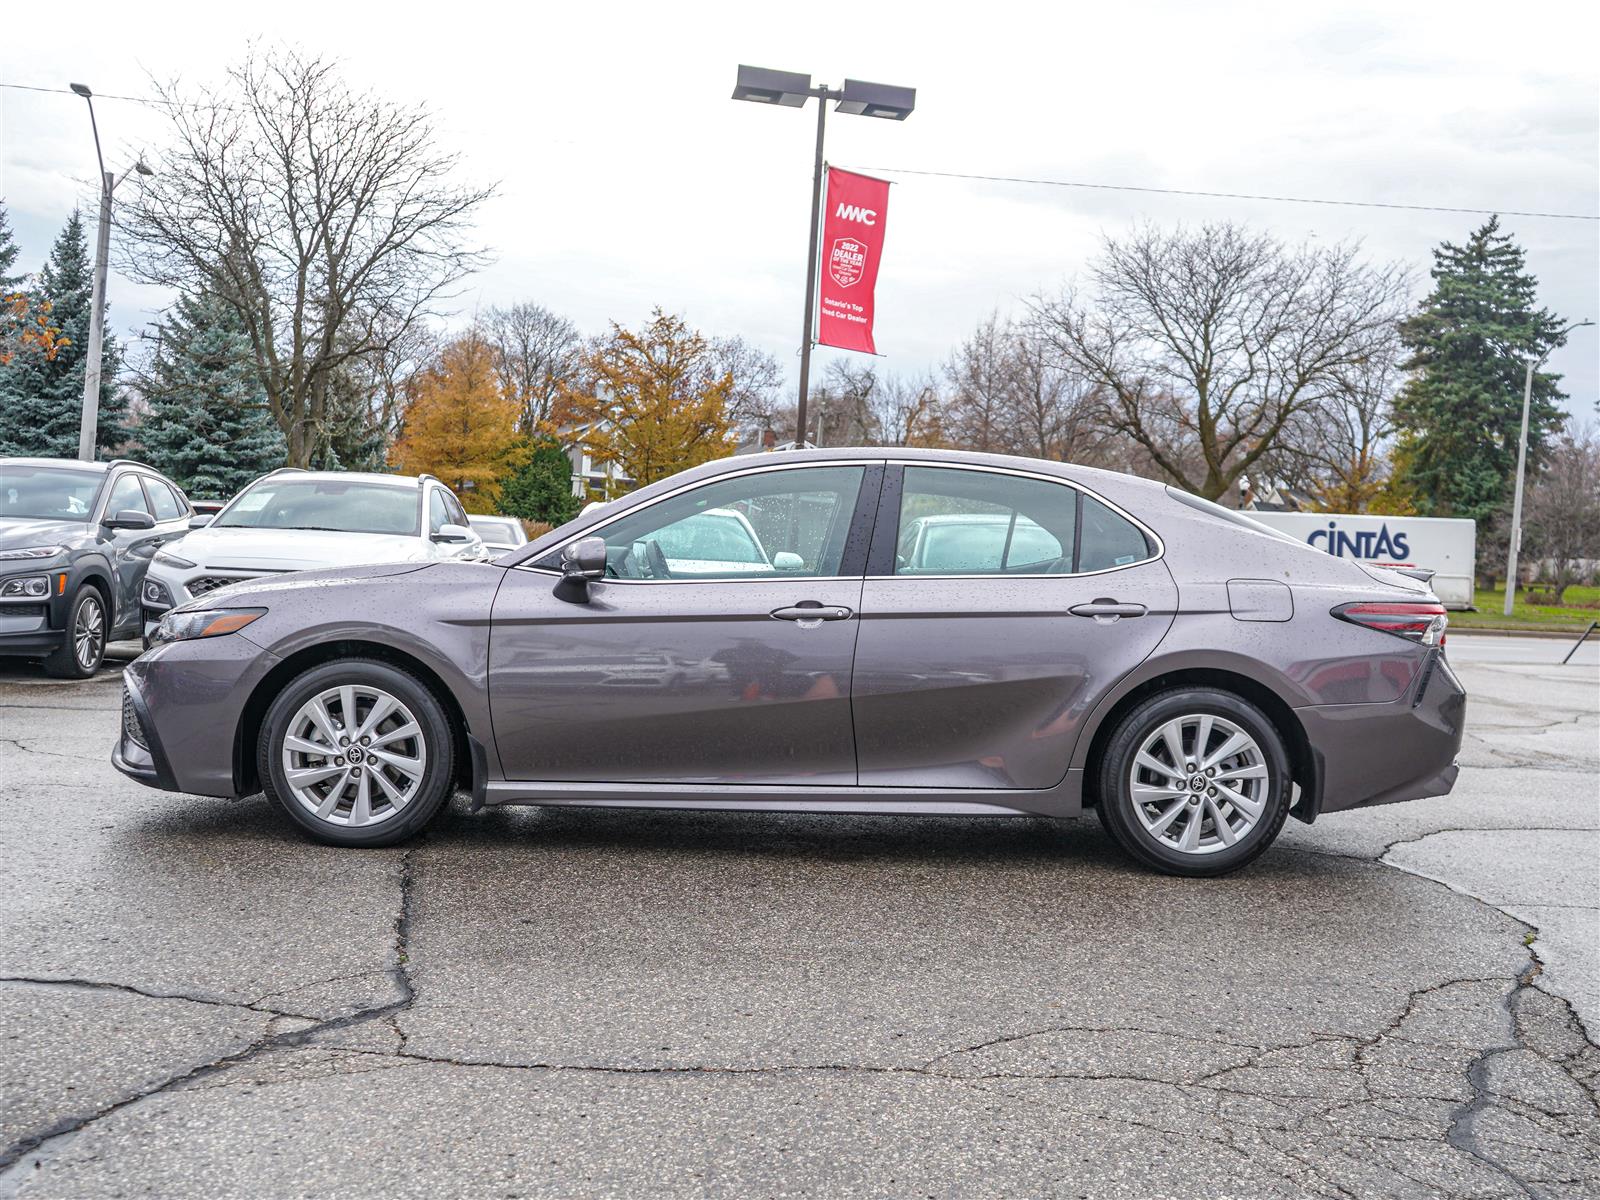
<point>1563,521</point>
<point>1208,343</point>
<point>325,216</point>
<point>983,389</point>
<point>906,411</point>
<point>753,403</point>
<point>536,354</point>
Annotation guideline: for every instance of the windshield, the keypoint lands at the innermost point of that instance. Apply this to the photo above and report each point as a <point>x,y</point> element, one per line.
<point>47,493</point>
<point>491,529</point>
<point>341,505</point>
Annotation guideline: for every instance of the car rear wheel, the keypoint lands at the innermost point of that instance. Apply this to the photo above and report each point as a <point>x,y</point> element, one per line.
<point>84,647</point>
<point>357,752</point>
<point>1194,782</point>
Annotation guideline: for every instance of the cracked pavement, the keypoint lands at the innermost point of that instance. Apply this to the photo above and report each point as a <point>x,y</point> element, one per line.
<point>195,1002</point>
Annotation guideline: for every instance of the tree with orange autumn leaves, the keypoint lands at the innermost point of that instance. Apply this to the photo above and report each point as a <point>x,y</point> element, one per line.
<point>652,402</point>
<point>460,426</point>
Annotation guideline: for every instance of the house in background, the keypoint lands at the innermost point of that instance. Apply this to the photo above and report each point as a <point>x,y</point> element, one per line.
<point>588,476</point>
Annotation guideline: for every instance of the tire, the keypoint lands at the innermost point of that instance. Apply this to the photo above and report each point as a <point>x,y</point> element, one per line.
<point>1204,828</point>
<point>353,795</point>
<point>83,646</point>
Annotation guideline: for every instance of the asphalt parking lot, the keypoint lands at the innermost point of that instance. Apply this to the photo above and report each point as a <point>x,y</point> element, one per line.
<point>195,1002</point>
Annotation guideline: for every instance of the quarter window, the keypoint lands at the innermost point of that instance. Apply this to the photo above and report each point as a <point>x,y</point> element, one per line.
<point>784,522</point>
<point>1109,539</point>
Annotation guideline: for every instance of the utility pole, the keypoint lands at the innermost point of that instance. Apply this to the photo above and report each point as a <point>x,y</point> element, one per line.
<point>1522,459</point>
<point>87,425</point>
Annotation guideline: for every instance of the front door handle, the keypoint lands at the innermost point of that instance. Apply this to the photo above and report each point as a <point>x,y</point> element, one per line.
<point>809,612</point>
<point>1107,610</point>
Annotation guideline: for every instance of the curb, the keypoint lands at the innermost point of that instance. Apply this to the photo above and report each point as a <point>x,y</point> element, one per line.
<point>1551,635</point>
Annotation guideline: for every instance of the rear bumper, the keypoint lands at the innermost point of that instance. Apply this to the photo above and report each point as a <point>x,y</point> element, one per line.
<point>1384,753</point>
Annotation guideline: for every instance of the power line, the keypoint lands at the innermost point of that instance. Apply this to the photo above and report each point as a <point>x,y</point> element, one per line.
<point>1124,187</point>
<point>1062,183</point>
<point>24,87</point>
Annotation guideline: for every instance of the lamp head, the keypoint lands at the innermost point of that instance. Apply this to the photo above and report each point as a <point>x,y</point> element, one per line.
<point>81,89</point>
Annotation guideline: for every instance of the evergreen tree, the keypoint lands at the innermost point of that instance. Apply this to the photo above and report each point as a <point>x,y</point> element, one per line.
<point>41,399</point>
<point>9,280</point>
<point>208,425</point>
<point>541,489</point>
<point>1460,413</point>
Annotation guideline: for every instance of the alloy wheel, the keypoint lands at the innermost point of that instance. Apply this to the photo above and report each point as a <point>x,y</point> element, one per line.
<point>1199,783</point>
<point>354,755</point>
<point>89,632</point>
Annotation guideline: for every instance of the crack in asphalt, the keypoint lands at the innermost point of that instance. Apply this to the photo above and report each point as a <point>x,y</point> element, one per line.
<point>1462,1134</point>
<point>32,1149</point>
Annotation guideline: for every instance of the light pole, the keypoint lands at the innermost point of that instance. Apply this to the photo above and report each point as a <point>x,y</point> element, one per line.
<point>790,89</point>
<point>97,315</point>
<point>1533,364</point>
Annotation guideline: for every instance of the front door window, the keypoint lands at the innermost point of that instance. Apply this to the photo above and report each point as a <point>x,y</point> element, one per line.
<point>791,523</point>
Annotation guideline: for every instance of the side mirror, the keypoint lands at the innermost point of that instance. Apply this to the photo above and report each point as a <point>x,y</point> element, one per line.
<point>453,534</point>
<point>201,520</point>
<point>788,560</point>
<point>584,559</point>
<point>130,518</point>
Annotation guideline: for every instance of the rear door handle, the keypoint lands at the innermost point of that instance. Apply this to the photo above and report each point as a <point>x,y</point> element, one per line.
<point>1108,610</point>
<point>809,612</point>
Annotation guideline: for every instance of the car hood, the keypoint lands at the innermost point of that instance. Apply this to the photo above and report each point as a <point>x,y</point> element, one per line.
<point>38,531</point>
<point>270,587</point>
<point>295,549</point>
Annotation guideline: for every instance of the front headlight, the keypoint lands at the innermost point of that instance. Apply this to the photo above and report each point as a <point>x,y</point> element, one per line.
<point>185,626</point>
<point>31,552</point>
<point>25,587</point>
<point>168,558</point>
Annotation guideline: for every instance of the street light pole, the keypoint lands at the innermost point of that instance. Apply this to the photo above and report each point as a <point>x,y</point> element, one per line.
<point>97,316</point>
<point>1515,547</point>
<point>809,326</point>
<point>790,89</point>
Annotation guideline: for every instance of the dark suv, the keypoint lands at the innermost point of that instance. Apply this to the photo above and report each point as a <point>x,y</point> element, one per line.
<point>75,541</point>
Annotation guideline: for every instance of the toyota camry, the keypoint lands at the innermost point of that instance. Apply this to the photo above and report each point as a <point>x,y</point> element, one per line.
<point>889,631</point>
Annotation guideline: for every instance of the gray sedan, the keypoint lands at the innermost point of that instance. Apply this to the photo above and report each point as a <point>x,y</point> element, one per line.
<point>1073,638</point>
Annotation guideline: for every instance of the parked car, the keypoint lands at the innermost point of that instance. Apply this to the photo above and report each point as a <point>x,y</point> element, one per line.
<point>499,534</point>
<point>1192,675</point>
<point>294,520</point>
<point>76,539</point>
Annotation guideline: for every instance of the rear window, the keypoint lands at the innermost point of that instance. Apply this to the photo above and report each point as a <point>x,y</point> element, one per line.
<point>1229,515</point>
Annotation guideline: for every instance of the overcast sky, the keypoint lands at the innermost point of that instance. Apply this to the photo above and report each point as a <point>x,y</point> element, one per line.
<point>627,177</point>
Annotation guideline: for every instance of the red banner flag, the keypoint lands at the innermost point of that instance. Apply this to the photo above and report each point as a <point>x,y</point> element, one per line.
<point>852,241</point>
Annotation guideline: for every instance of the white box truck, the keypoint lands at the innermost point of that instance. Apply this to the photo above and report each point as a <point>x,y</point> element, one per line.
<point>1444,545</point>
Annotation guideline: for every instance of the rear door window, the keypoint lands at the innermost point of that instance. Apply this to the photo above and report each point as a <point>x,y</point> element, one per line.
<point>955,522</point>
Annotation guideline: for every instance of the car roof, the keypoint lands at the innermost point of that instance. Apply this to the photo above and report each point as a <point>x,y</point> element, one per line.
<point>68,463</point>
<point>350,477</point>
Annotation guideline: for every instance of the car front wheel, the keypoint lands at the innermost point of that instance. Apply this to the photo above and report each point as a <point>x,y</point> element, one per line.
<point>84,647</point>
<point>1194,782</point>
<point>357,753</point>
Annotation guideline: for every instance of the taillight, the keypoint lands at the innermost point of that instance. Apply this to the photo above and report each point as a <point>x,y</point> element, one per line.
<point>1420,622</point>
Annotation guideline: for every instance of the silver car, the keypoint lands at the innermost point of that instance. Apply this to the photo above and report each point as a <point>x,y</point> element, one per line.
<point>1096,640</point>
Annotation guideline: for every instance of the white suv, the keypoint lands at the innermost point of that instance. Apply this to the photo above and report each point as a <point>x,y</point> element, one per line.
<point>294,520</point>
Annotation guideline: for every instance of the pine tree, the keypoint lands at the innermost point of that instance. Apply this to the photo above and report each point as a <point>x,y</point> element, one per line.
<point>208,425</point>
<point>1460,413</point>
<point>541,490</point>
<point>9,281</point>
<point>41,399</point>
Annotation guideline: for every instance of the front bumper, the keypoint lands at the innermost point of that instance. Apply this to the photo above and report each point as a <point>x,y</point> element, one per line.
<point>1384,753</point>
<point>188,699</point>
